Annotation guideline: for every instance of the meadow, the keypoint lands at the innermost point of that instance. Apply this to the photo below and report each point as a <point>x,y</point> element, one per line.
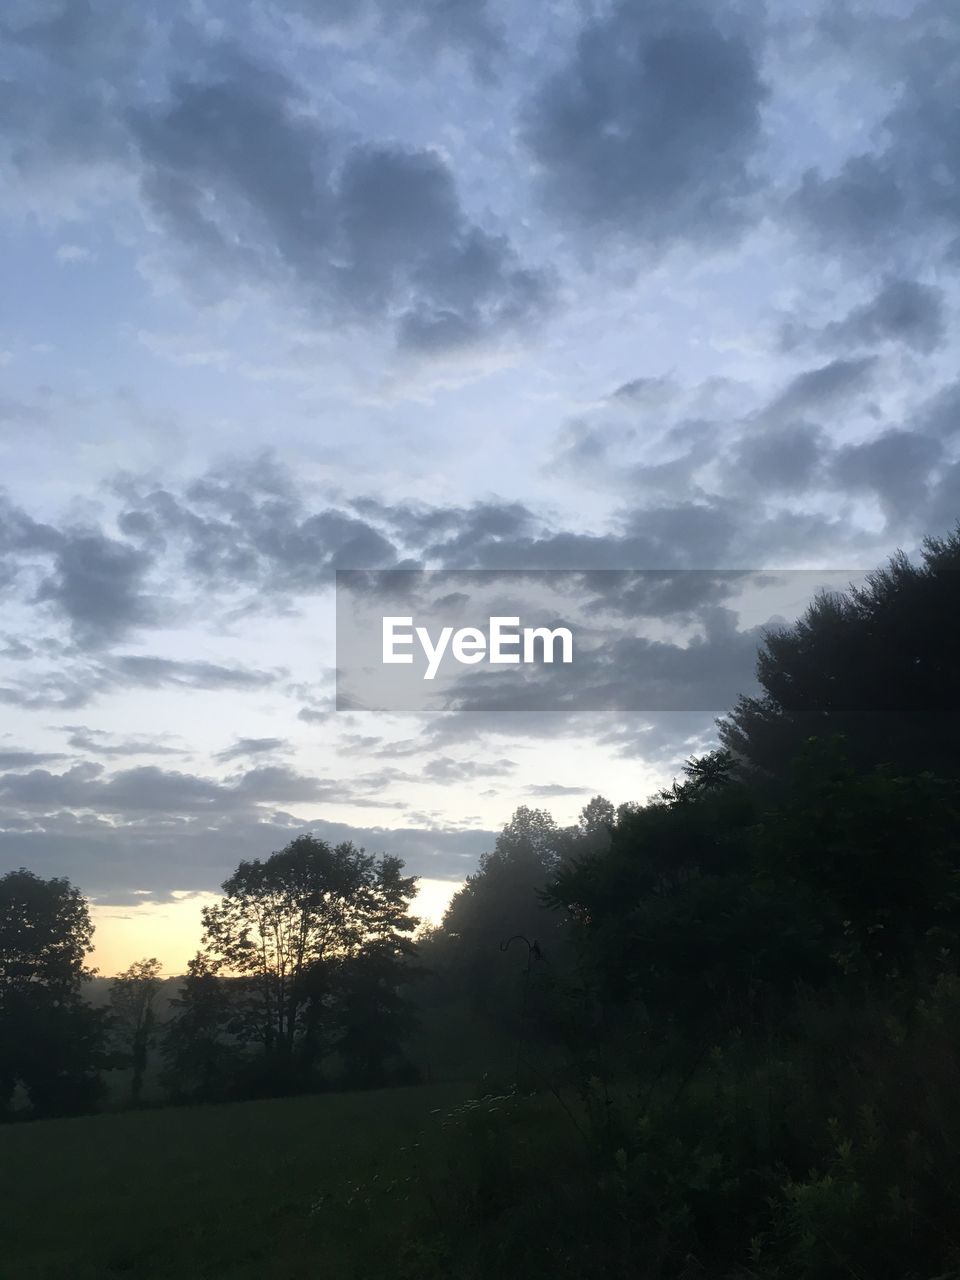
<point>242,1191</point>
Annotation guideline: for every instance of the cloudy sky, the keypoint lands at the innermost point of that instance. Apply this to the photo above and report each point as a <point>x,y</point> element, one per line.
<point>452,284</point>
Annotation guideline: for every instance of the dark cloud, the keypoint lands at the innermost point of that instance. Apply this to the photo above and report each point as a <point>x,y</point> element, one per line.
<point>20,534</point>
<point>909,184</point>
<point>585,447</point>
<point>664,740</point>
<point>235,531</point>
<point>98,742</point>
<point>447,769</point>
<point>68,66</point>
<point>311,715</point>
<point>248,537</point>
<point>547,790</point>
<point>652,128</point>
<point>715,530</point>
<point>944,512</point>
<point>98,584</point>
<point>245,747</point>
<point>627,671</point>
<point>64,691</point>
<point>940,415</point>
<point>786,459</point>
<point>26,759</point>
<point>150,789</point>
<point>147,672</point>
<point>821,388</point>
<point>510,536</point>
<point>896,467</point>
<point>170,830</point>
<point>859,205</point>
<point>81,683</point>
<point>250,186</point>
<point>904,311</point>
<point>111,859</point>
<point>646,392</point>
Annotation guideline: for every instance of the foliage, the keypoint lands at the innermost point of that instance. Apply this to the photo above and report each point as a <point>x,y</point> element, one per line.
<point>133,995</point>
<point>504,898</point>
<point>876,664</point>
<point>200,1047</point>
<point>51,1041</point>
<point>287,922</point>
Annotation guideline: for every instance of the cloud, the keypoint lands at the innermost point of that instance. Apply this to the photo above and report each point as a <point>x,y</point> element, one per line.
<point>908,185</point>
<point>249,526</point>
<point>245,747</point>
<point>785,459</point>
<point>255,190</point>
<point>627,671</point>
<point>20,534</point>
<point>896,466</point>
<point>149,672</point>
<point>860,204</point>
<point>253,185</point>
<point>70,65</point>
<point>151,789</point>
<point>64,691</point>
<point>176,832</point>
<point>651,130</point>
<point>939,416</point>
<point>823,387</point>
<point>460,25</point>
<point>547,790</point>
<point>97,583</point>
<point>648,393</point>
<point>79,683</point>
<point>98,742</point>
<point>904,311</point>
<point>27,759</point>
<point>447,769</point>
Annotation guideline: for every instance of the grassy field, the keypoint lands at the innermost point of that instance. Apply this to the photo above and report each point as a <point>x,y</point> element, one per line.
<point>224,1191</point>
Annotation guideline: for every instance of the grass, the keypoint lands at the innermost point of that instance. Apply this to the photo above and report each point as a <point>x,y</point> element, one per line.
<point>199,1193</point>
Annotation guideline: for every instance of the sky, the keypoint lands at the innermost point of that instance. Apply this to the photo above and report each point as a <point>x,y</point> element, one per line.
<point>445,284</point>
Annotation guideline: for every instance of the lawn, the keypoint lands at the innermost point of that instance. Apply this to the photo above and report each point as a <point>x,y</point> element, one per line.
<point>220,1191</point>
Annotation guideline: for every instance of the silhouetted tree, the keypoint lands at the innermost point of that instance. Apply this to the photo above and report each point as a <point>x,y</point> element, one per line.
<point>498,900</point>
<point>287,922</point>
<point>372,1015</point>
<point>876,664</point>
<point>200,1040</point>
<point>133,995</point>
<point>51,1040</point>
<point>503,898</point>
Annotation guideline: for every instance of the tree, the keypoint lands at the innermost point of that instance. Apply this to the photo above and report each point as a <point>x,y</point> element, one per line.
<point>50,1039</point>
<point>879,850</point>
<point>133,995</point>
<point>286,922</point>
<point>503,899</point>
<point>876,664</point>
<point>499,900</point>
<point>372,1015</point>
<point>199,1044</point>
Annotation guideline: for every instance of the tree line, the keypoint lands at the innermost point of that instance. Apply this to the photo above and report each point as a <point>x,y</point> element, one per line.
<point>301,958</point>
